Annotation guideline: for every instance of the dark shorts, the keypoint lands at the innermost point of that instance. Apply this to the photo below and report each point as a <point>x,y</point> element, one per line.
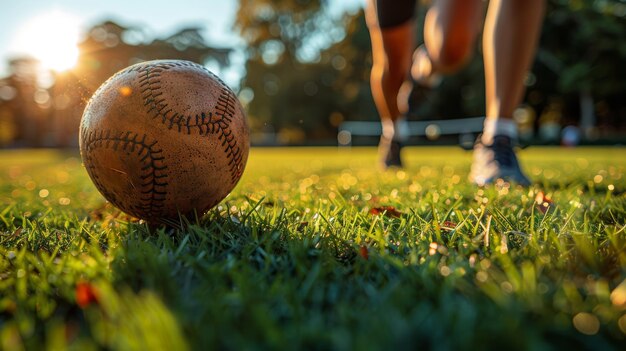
<point>394,12</point>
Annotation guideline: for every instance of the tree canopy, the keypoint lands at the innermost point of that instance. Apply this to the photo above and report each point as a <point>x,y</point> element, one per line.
<point>306,70</point>
<point>47,113</point>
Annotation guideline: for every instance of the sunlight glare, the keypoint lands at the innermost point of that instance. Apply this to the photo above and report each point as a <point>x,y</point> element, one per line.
<point>51,38</point>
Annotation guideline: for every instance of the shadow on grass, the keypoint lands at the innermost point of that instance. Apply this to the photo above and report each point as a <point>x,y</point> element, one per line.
<point>267,281</point>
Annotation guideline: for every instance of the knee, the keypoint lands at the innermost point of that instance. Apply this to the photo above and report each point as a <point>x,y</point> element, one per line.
<point>449,50</point>
<point>388,72</point>
<point>450,57</point>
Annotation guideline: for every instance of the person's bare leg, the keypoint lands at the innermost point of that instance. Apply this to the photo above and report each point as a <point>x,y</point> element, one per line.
<point>450,31</point>
<point>509,43</point>
<point>391,52</point>
<point>392,49</point>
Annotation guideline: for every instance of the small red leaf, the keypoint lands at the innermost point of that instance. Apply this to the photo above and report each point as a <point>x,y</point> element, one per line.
<point>302,226</point>
<point>85,294</point>
<point>364,252</point>
<point>17,232</point>
<point>543,202</point>
<point>388,211</point>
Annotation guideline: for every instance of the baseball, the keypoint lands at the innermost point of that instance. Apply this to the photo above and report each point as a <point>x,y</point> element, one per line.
<point>164,138</point>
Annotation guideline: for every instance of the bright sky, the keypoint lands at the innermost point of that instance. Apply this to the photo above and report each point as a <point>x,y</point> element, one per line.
<point>22,20</point>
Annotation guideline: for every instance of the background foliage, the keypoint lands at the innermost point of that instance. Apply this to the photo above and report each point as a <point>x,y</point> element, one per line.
<point>307,70</point>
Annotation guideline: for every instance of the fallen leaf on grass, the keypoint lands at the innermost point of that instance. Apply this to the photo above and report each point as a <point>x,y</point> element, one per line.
<point>302,226</point>
<point>108,213</point>
<point>388,211</point>
<point>85,294</point>
<point>364,252</point>
<point>543,202</point>
<point>447,225</point>
<point>97,214</point>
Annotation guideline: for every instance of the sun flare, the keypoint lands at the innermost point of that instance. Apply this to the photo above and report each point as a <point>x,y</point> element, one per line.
<point>51,38</point>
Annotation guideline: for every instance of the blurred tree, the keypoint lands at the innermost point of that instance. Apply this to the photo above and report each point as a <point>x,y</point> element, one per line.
<point>581,60</point>
<point>24,104</point>
<point>301,82</point>
<point>307,70</point>
<point>49,114</point>
<point>110,47</point>
<point>271,27</point>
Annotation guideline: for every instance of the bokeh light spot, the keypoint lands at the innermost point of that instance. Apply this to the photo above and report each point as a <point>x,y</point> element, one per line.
<point>586,323</point>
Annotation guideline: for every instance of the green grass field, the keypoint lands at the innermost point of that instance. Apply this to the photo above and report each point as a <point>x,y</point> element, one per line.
<point>316,249</point>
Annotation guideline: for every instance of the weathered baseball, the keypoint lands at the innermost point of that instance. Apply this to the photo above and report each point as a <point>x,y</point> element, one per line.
<point>164,138</point>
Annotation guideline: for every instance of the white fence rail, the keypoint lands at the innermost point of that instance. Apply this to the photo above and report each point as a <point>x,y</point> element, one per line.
<point>466,128</point>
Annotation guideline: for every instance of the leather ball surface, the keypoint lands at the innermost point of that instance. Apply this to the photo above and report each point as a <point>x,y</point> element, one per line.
<point>163,138</point>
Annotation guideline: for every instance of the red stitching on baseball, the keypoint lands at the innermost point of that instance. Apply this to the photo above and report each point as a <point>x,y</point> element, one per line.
<point>204,123</point>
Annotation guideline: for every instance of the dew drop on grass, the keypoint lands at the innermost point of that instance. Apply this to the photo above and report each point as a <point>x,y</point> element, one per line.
<point>582,163</point>
<point>62,177</point>
<point>586,323</point>
<point>472,260</point>
<point>549,173</point>
<point>618,295</point>
<point>414,188</point>
<point>445,271</point>
<point>481,276</point>
<point>433,245</point>
<point>15,172</point>
<point>622,324</point>
<point>401,174</point>
<point>506,287</point>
